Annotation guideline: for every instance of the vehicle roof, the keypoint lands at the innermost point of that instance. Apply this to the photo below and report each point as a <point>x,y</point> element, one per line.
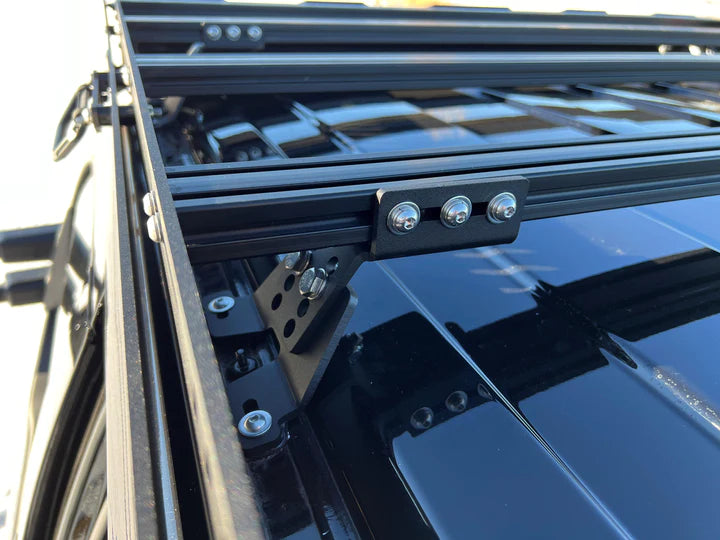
<point>587,350</point>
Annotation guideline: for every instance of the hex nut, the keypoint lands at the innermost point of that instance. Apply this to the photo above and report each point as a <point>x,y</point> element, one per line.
<point>312,283</point>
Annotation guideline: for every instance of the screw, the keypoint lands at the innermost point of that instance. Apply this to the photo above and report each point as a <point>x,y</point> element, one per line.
<point>233,32</point>
<point>483,392</point>
<point>155,112</point>
<point>422,418</point>
<point>243,364</point>
<point>254,32</point>
<point>255,423</point>
<point>502,207</point>
<point>457,401</point>
<point>455,211</point>
<point>154,230</point>
<point>221,304</point>
<point>149,205</point>
<point>403,218</point>
<point>297,261</point>
<point>312,283</point>
<point>255,152</point>
<point>213,32</point>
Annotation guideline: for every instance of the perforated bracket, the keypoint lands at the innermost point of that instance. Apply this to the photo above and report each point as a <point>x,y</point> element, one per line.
<point>308,326</point>
<point>306,300</point>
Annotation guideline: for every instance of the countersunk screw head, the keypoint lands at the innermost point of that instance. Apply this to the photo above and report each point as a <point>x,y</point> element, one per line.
<point>255,423</point>
<point>254,32</point>
<point>221,304</point>
<point>502,207</point>
<point>456,211</point>
<point>403,218</point>
<point>213,32</point>
<point>312,283</point>
<point>233,32</point>
<point>297,261</point>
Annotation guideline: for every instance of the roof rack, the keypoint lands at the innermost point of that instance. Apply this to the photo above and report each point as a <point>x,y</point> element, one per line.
<point>350,209</point>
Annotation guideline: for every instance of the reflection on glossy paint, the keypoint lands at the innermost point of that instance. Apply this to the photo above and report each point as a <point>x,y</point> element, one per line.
<point>307,125</point>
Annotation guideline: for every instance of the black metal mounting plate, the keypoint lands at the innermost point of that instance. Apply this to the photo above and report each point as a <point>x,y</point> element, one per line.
<point>430,234</point>
<point>308,331</point>
<point>295,319</point>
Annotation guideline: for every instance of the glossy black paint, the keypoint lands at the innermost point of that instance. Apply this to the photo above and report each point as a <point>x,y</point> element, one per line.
<point>597,413</point>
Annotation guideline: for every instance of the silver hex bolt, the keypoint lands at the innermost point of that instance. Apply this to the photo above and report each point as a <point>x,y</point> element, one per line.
<point>297,261</point>
<point>213,32</point>
<point>254,32</point>
<point>403,218</point>
<point>456,211</point>
<point>312,283</point>
<point>153,229</point>
<point>233,32</point>
<point>255,423</point>
<point>221,304</point>
<point>502,207</point>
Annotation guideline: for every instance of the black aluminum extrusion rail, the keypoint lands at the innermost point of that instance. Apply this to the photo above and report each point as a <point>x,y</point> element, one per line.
<point>231,508</point>
<point>332,24</point>
<point>220,213</point>
<point>231,226</point>
<point>252,73</point>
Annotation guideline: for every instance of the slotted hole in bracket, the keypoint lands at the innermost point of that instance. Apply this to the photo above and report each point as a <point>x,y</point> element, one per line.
<point>289,282</point>
<point>289,328</point>
<point>276,301</point>
<point>331,265</point>
<point>303,307</point>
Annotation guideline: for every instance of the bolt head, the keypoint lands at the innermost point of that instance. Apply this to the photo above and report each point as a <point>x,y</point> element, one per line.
<point>502,207</point>
<point>233,32</point>
<point>456,211</point>
<point>221,304</point>
<point>254,32</point>
<point>297,261</point>
<point>244,363</point>
<point>153,229</point>
<point>422,419</point>
<point>255,423</point>
<point>213,32</point>
<point>312,283</point>
<point>148,202</point>
<point>403,218</point>
<point>457,401</point>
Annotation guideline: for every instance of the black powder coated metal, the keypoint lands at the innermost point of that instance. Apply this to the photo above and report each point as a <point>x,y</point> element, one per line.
<point>250,73</point>
<point>430,234</point>
<point>181,23</point>
<point>225,213</point>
